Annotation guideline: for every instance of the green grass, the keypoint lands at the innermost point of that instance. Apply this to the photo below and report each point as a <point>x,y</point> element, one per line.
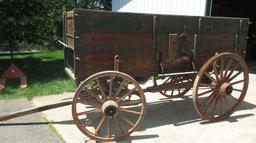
<point>51,127</point>
<point>45,73</point>
<point>56,133</point>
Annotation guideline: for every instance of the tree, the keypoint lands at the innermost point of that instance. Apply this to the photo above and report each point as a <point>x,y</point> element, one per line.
<point>38,21</point>
<point>95,4</point>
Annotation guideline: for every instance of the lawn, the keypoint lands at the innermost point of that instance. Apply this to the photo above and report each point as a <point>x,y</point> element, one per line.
<point>45,73</point>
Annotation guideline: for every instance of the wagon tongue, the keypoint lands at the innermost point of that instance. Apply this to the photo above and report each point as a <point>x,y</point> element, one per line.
<point>34,110</point>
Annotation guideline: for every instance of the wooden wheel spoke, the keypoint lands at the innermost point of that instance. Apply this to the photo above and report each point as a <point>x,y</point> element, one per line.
<point>110,87</point>
<point>109,131</point>
<point>226,101</point>
<point>207,85</point>
<point>181,80</point>
<point>118,125</point>
<point>97,98</point>
<point>101,89</point>
<point>168,79</point>
<point>215,104</point>
<point>234,76</point>
<point>233,83</point>
<point>88,112</point>
<point>130,111</point>
<point>130,102</point>
<point>178,90</point>
<point>91,121</point>
<point>208,98</point>
<point>127,120</point>
<point>220,106</point>
<point>208,107</point>
<point>211,78</point>
<point>232,70</point>
<point>126,94</point>
<point>215,71</point>
<point>100,124</point>
<point>239,90</point>
<point>119,89</point>
<point>172,92</point>
<point>221,68</point>
<point>91,102</point>
<point>208,91</point>
<point>94,95</point>
<point>85,89</point>
<point>228,67</point>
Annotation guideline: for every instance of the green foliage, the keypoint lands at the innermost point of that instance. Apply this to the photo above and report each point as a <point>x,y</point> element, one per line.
<point>37,21</point>
<point>96,4</point>
<point>31,21</point>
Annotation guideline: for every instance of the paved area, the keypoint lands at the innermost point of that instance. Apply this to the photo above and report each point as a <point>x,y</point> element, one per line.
<point>28,129</point>
<point>61,118</point>
<point>169,121</point>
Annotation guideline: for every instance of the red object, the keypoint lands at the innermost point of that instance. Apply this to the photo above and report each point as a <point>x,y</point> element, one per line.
<point>13,72</point>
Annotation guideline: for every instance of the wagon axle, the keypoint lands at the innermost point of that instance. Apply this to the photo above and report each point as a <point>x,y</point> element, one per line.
<point>110,108</point>
<point>226,89</point>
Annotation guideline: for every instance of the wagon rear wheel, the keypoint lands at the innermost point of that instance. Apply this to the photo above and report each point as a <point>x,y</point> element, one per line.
<point>173,93</point>
<point>108,106</point>
<point>220,86</point>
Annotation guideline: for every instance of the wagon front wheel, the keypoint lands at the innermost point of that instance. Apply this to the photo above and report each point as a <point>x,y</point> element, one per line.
<point>108,106</point>
<point>220,86</point>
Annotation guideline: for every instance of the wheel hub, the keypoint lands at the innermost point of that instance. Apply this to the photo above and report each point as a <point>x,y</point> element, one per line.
<point>226,89</point>
<point>110,108</point>
<point>110,111</point>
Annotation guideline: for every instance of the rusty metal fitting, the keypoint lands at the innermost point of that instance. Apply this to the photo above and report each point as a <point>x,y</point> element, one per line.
<point>116,63</point>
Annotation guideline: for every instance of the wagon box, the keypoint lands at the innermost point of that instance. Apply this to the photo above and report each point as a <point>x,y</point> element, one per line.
<point>147,44</point>
<point>106,51</point>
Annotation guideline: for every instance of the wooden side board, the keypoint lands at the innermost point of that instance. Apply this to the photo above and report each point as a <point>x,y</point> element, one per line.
<point>142,41</point>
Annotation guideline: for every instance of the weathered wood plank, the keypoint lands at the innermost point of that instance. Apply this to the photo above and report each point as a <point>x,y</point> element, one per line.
<point>101,41</point>
<point>91,21</point>
<point>99,36</point>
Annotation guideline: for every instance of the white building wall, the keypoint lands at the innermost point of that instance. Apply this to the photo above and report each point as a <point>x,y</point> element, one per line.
<point>176,7</point>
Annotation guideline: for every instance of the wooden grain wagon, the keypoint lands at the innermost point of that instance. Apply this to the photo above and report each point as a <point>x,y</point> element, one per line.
<point>106,51</point>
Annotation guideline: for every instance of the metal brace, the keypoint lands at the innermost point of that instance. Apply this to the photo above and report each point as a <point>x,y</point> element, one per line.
<point>116,63</point>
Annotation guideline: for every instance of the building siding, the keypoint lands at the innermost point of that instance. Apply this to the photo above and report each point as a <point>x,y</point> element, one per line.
<point>176,7</point>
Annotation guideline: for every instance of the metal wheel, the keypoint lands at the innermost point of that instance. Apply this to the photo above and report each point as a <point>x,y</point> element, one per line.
<point>172,93</point>
<point>108,106</point>
<point>220,86</point>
